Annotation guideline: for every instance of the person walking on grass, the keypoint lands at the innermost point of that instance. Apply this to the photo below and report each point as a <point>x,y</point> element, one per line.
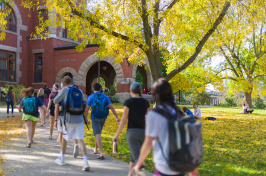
<point>10,100</point>
<point>40,95</point>
<point>100,105</point>
<point>73,120</point>
<point>30,105</point>
<point>51,108</point>
<point>135,109</point>
<point>156,131</point>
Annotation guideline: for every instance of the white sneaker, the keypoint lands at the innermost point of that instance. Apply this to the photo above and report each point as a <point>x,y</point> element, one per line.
<point>86,167</point>
<point>60,162</point>
<point>76,151</point>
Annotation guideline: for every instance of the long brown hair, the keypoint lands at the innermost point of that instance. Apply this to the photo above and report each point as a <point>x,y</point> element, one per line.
<point>27,92</point>
<point>10,89</point>
<point>163,94</point>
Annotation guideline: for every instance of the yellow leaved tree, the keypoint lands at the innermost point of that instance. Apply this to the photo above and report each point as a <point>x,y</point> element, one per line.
<point>240,40</point>
<point>137,29</point>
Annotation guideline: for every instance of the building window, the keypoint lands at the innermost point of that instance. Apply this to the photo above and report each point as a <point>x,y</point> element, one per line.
<point>11,21</point>
<point>38,68</point>
<point>7,66</point>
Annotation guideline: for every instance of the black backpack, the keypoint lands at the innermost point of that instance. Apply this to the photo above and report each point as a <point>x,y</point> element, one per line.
<point>185,142</point>
<point>9,97</point>
<point>52,107</point>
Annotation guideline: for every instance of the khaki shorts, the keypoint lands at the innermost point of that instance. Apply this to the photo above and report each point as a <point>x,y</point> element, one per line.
<point>27,117</point>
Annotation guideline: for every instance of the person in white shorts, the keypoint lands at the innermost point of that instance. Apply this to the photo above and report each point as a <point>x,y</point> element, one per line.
<point>74,125</point>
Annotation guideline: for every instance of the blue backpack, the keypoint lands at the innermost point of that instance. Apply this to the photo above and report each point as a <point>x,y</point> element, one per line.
<point>30,106</point>
<point>74,103</point>
<point>9,98</point>
<point>99,106</point>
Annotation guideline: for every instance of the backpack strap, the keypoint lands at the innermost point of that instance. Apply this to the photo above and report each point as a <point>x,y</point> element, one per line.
<point>167,116</point>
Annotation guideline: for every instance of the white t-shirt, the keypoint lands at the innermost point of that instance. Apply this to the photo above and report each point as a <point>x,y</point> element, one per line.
<point>197,112</point>
<point>157,127</point>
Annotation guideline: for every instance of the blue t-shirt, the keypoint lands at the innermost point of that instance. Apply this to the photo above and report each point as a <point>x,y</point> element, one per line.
<point>39,104</point>
<point>91,97</point>
<point>188,112</point>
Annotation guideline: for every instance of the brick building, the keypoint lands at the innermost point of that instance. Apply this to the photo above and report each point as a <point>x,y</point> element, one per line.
<point>32,61</point>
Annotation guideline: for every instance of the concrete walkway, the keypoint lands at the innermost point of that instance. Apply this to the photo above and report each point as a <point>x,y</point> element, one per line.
<point>39,160</point>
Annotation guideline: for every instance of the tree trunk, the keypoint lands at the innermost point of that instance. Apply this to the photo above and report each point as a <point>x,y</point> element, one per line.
<point>248,99</point>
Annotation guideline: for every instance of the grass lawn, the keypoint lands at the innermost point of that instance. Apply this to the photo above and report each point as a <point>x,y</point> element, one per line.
<point>234,144</point>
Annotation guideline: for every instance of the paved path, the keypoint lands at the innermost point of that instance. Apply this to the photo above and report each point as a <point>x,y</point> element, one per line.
<point>39,160</point>
<point>3,112</point>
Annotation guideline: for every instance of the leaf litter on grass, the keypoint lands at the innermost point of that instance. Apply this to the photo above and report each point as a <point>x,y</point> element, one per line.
<point>9,130</point>
<point>234,144</point>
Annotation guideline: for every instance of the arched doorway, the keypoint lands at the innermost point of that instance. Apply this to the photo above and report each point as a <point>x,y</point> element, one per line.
<point>141,77</point>
<point>107,72</point>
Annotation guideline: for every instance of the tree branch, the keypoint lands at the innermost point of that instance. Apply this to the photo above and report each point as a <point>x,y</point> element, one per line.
<point>258,76</point>
<point>223,70</point>
<point>230,63</point>
<point>201,43</point>
<point>167,10</point>
<point>101,27</point>
<point>229,78</point>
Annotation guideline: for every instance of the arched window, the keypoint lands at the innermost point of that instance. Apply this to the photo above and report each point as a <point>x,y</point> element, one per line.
<point>11,20</point>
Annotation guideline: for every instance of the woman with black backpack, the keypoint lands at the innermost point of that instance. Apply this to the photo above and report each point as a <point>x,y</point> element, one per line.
<point>157,132</point>
<point>30,105</point>
<point>10,100</point>
<point>51,107</point>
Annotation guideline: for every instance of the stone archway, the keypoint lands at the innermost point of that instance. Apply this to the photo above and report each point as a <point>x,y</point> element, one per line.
<point>65,70</point>
<point>107,73</point>
<point>148,73</point>
<point>90,61</point>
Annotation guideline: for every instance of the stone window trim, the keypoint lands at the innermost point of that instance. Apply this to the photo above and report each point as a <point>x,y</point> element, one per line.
<point>37,51</point>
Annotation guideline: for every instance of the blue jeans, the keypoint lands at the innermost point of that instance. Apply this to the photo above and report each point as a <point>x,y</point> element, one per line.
<point>12,107</point>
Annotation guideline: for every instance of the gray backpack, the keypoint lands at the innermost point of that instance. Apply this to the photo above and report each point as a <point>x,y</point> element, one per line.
<point>185,142</point>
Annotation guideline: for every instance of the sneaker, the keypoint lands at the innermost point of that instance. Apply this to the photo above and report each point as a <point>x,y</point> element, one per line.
<point>60,162</point>
<point>76,151</point>
<point>86,167</point>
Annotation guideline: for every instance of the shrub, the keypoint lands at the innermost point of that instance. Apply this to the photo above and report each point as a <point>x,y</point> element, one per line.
<point>230,101</point>
<point>114,98</point>
<point>16,88</point>
<point>259,103</point>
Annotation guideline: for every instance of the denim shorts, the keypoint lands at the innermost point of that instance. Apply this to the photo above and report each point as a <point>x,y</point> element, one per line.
<point>97,125</point>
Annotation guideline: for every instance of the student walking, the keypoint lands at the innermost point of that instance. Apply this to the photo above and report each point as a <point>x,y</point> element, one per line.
<point>73,120</point>
<point>157,132</point>
<point>47,92</point>
<point>51,108</point>
<point>135,109</point>
<point>10,100</point>
<point>40,95</point>
<point>100,104</point>
<point>30,105</point>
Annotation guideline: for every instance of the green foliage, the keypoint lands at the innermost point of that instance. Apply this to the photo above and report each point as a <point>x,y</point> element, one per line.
<point>114,98</point>
<point>139,78</point>
<point>201,98</point>
<point>230,101</point>
<point>259,103</point>
<point>102,82</point>
<point>16,88</point>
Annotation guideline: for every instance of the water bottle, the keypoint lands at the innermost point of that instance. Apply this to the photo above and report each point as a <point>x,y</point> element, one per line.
<point>115,147</point>
<point>142,172</point>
